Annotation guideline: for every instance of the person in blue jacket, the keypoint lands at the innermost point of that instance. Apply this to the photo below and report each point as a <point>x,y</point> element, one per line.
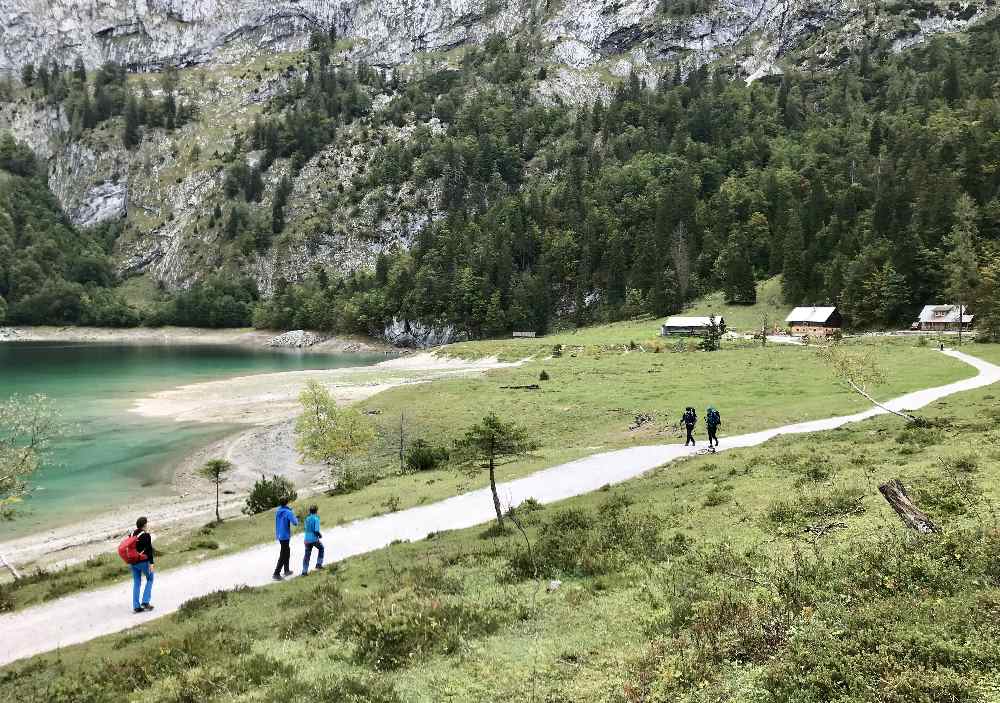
<point>312,539</point>
<point>284,518</point>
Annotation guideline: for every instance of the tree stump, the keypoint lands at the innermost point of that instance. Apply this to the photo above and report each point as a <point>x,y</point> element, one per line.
<point>914,518</point>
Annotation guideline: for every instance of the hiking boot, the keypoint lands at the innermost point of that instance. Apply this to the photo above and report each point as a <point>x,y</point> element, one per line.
<point>138,610</point>
<point>304,573</point>
<point>287,573</point>
<point>277,577</point>
<point>319,567</point>
<point>147,606</point>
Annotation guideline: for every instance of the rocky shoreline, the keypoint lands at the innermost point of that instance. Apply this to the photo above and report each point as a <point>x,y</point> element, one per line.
<point>265,405</point>
<point>303,340</point>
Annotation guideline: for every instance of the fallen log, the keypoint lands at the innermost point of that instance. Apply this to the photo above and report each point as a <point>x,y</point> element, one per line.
<point>531,387</point>
<point>914,518</point>
<point>10,567</point>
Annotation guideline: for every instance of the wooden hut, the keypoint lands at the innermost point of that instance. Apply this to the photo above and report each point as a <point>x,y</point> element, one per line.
<point>814,322</point>
<point>690,326</point>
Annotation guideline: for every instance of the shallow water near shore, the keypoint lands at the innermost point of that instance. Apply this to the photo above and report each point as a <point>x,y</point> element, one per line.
<point>110,456</point>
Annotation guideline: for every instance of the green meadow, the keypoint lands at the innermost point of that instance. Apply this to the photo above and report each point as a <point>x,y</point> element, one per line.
<point>599,397</point>
<point>775,573</point>
<point>721,577</point>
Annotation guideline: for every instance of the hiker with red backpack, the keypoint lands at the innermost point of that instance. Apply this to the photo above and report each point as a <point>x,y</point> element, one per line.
<point>137,551</point>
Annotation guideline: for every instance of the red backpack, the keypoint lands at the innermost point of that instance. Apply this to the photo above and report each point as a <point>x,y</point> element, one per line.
<point>128,552</point>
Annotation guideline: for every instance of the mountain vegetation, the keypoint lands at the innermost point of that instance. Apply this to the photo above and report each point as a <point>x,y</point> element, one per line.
<point>859,186</point>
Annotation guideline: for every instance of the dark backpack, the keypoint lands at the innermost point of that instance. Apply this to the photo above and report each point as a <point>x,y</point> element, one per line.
<point>714,418</point>
<point>690,418</point>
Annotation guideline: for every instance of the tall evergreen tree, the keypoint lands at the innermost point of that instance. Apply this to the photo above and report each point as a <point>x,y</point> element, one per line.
<point>794,269</point>
<point>961,261</point>
<point>130,131</point>
<point>734,269</point>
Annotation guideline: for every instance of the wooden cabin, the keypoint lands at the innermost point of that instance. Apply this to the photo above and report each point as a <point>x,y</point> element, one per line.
<point>690,326</point>
<point>814,322</point>
<point>944,318</point>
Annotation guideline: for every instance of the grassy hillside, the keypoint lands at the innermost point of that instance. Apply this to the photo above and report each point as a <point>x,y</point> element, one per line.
<point>590,404</point>
<point>746,318</point>
<point>770,574</point>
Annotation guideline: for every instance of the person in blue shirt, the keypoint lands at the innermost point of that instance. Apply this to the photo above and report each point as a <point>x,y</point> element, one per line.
<point>284,518</point>
<point>312,538</point>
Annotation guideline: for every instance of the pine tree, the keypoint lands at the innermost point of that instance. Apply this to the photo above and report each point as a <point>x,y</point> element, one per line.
<point>988,301</point>
<point>952,87</point>
<point>793,271</point>
<point>130,132</point>
<point>961,262</point>
<point>281,194</point>
<point>734,269</point>
<point>875,137</point>
<point>79,71</point>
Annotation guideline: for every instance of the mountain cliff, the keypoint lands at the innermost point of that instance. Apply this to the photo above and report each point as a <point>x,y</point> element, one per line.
<point>229,64</point>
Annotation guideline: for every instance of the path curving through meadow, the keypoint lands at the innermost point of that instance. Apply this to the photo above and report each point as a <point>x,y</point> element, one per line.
<point>85,616</point>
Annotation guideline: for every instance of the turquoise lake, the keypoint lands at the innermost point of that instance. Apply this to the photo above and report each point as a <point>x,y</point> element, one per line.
<point>111,456</point>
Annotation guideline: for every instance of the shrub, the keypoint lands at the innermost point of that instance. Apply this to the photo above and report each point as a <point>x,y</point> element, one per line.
<point>543,376</point>
<point>64,586</point>
<point>717,496</point>
<point>575,541</point>
<point>216,599</point>
<point>200,544</point>
<point>422,456</point>
<point>400,627</point>
<point>349,689</point>
<point>835,502</point>
<point>353,478</point>
<point>267,494</point>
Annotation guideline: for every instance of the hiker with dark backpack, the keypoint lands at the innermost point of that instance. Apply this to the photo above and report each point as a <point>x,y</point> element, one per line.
<point>137,551</point>
<point>713,420</point>
<point>284,518</point>
<point>689,420</point>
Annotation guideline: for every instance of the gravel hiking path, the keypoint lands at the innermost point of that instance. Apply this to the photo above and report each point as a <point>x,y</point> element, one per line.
<point>84,616</point>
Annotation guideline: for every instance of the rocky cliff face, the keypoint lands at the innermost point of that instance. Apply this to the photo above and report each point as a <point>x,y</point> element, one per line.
<point>233,45</point>
<point>146,34</point>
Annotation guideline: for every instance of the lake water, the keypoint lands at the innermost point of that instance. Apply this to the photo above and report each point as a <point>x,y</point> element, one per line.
<point>110,455</point>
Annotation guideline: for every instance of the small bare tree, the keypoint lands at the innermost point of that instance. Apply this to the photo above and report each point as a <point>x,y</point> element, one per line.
<point>858,369</point>
<point>215,471</point>
<point>765,326</point>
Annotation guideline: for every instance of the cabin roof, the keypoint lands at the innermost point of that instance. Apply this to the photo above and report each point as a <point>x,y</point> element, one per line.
<point>943,313</point>
<point>676,321</point>
<point>813,314</point>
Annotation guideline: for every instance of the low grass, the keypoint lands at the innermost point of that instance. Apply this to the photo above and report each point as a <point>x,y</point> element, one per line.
<point>592,402</point>
<point>800,584</point>
<point>747,318</point>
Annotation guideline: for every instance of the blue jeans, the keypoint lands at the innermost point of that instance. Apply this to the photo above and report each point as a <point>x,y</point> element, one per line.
<point>319,558</point>
<point>138,571</point>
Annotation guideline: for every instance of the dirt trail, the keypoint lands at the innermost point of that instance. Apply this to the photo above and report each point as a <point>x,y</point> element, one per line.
<point>84,616</point>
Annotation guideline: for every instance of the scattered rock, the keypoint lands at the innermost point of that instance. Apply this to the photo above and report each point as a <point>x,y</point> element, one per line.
<point>8,333</point>
<point>554,585</point>
<point>296,339</point>
<point>640,420</point>
<point>403,333</point>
